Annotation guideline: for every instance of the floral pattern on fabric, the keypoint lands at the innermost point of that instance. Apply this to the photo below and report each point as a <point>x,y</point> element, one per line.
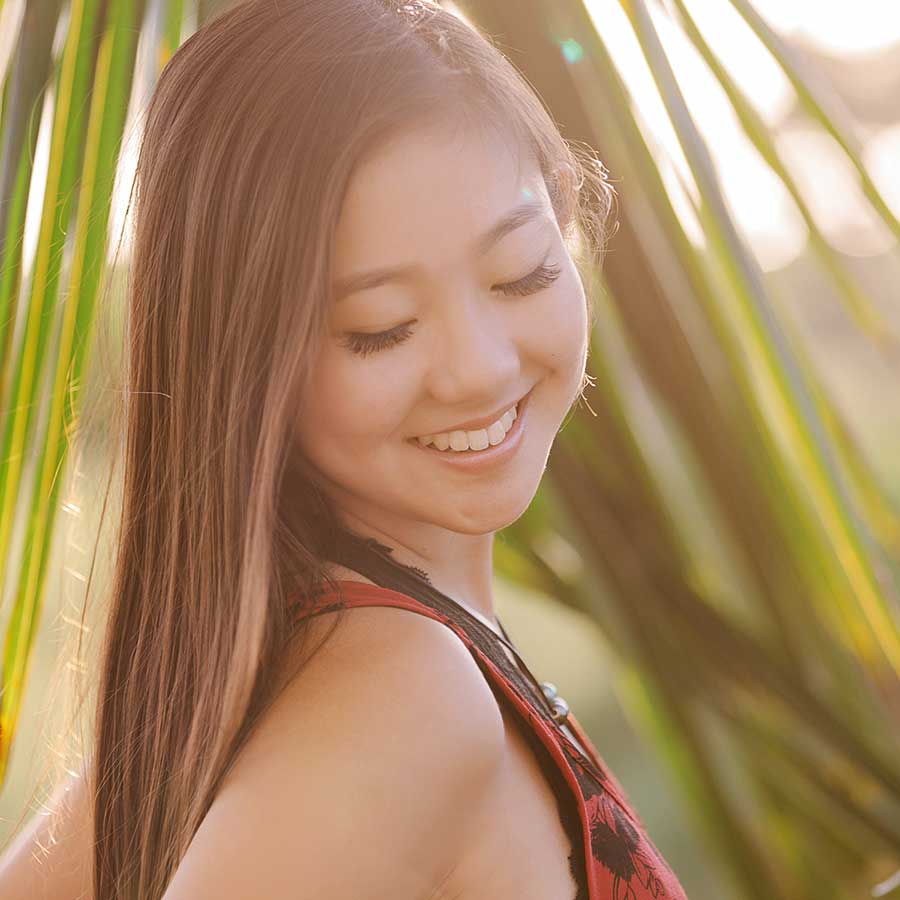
<point>617,843</point>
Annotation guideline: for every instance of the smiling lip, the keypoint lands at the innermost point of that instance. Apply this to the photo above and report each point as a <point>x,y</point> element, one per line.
<point>475,460</point>
<point>476,424</point>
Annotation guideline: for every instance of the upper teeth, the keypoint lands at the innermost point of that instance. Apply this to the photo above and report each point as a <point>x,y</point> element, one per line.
<point>472,440</point>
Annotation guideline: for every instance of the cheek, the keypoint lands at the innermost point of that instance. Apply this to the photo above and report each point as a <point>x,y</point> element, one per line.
<point>560,339</point>
<point>346,410</point>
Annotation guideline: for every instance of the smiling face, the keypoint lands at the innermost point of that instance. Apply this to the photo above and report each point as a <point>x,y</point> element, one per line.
<point>468,327</point>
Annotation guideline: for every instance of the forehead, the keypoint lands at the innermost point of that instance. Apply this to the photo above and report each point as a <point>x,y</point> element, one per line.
<point>427,192</point>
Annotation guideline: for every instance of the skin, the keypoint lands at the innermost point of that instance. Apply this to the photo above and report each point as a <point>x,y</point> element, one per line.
<point>421,199</point>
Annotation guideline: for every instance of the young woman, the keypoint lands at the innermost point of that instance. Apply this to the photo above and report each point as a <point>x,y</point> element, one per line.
<point>356,323</point>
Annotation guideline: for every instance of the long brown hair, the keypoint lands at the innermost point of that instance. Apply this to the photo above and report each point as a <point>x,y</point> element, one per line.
<point>249,141</point>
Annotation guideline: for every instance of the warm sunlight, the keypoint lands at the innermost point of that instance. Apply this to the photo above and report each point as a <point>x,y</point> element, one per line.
<point>842,29</point>
<point>758,200</point>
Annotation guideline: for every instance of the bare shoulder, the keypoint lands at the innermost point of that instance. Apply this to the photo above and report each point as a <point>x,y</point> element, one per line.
<point>365,777</point>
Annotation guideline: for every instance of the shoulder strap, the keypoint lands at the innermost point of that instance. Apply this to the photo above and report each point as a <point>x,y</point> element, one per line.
<point>408,584</point>
<point>359,593</point>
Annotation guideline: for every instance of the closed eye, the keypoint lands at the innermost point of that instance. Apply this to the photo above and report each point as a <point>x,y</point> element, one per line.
<point>543,276</point>
<point>365,343</point>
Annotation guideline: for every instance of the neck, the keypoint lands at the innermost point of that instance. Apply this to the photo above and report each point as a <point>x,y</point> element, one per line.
<point>381,561</point>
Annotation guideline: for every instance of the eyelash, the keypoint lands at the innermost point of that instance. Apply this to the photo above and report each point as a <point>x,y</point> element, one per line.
<point>364,344</point>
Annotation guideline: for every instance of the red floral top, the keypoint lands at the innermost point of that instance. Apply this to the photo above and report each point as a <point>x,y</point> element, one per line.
<point>620,861</point>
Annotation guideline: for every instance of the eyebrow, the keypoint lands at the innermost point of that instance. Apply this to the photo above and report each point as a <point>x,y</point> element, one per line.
<point>515,218</point>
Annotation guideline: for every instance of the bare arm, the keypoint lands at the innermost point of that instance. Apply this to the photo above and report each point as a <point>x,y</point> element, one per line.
<point>50,857</point>
<point>367,778</point>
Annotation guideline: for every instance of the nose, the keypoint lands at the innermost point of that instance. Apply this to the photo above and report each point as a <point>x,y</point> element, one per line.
<point>476,358</point>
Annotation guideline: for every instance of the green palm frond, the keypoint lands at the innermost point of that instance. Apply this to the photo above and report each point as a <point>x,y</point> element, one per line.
<point>94,80</point>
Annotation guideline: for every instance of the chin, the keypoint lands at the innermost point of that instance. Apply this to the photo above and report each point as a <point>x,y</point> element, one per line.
<point>505,508</point>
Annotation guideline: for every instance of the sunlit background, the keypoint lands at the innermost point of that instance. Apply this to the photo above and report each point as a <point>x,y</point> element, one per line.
<point>854,50</point>
<point>856,47</point>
